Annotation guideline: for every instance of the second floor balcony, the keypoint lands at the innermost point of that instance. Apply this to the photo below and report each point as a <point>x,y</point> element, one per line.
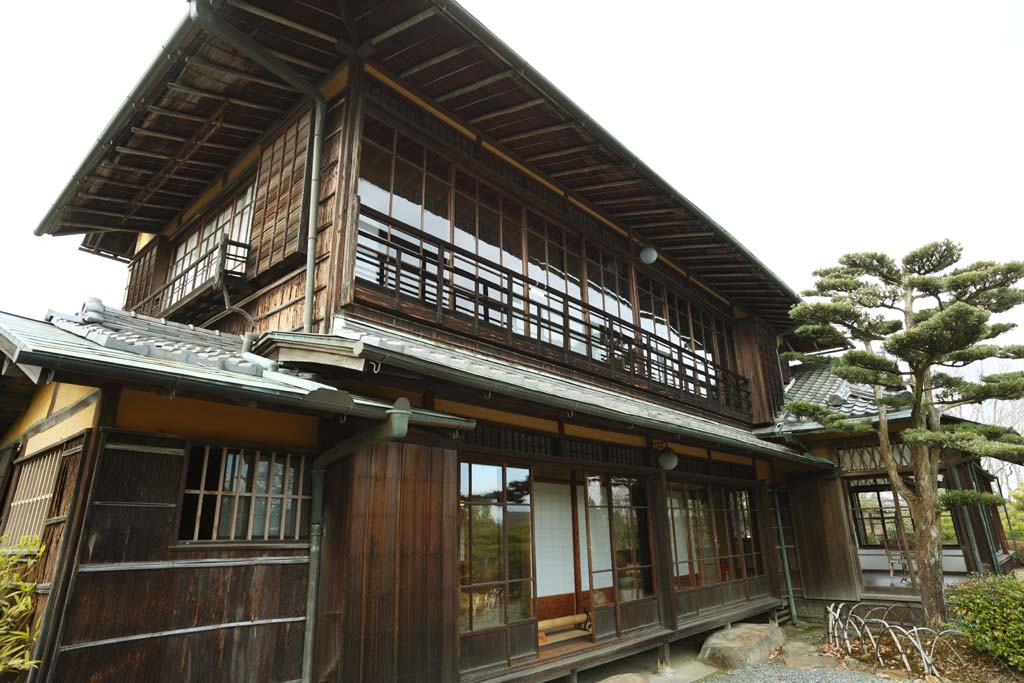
<point>196,285</point>
<point>433,280</point>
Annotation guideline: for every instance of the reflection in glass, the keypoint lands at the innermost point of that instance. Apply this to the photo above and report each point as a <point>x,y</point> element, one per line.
<point>488,607</point>
<point>485,528</point>
<point>520,600</point>
<point>517,483</point>
<point>520,555</point>
<point>486,483</point>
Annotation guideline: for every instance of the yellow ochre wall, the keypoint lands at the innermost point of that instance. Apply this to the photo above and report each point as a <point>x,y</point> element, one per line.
<point>49,399</point>
<point>145,411</point>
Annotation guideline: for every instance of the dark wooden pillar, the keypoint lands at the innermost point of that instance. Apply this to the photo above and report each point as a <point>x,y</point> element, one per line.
<point>663,560</point>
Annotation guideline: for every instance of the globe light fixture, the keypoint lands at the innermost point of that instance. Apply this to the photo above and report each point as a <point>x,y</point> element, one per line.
<point>667,459</point>
<point>648,254</point>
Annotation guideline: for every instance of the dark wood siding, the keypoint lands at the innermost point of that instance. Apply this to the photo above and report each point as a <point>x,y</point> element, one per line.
<point>387,607</point>
<point>140,603</point>
<point>757,359</point>
<point>829,568</point>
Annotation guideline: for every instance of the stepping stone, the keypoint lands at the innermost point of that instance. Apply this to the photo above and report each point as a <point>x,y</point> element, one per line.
<point>742,645</point>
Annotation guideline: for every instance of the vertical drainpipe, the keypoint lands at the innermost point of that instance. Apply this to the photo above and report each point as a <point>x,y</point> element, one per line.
<point>203,12</point>
<point>785,559</point>
<point>396,427</point>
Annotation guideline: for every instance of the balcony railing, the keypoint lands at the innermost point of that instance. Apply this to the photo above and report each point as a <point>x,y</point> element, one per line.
<point>222,264</point>
<point>427,278</point>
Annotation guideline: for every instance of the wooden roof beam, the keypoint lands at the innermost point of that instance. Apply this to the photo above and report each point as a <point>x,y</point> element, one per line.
<point>226,71</point>
<point>403,25</point>
<point>483,82</point>
<point>439,59</point>
<point>283,21</point>
<point>528,104</point>
<point>648,212</point>
<point>608,185</point>
<point>561,153</point>
<point>631,200</point>
<point>582,169</point>
<point>515,137</point>
<point>198,92</point>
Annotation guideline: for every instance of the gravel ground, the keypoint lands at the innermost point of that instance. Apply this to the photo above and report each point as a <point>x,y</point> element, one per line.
<point>772,673</point>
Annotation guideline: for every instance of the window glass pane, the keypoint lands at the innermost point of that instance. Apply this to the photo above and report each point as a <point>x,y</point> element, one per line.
<point>485,543</point>
<point>227,506</point>
<point>437,212</point>
<point>603,592</point>
<point>379,133</point>
<point>517,483</point>
<point>464,577</point>
<point>486,483</point>
<point>520,600</point>
<point>463,481</point>
<point>600,550</point>
<point>276,517</point>
<point>488,607</point>
<point>407,200</point>
<point>520,557</point>
<point>465,601</point>
<point>627,586</point>
<point>621,491</point>
<point>375,178</point>
<point>597,493</point>
<point>624,526</point>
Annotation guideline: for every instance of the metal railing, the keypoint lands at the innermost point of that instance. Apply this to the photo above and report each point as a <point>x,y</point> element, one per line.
<point>467,293</point>
<point>225,260</point>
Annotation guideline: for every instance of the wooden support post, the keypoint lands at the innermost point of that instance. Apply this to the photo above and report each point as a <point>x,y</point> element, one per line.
<point>664,660</point>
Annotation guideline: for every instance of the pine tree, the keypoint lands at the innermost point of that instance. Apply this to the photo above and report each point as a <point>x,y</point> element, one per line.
<point>909,324</point>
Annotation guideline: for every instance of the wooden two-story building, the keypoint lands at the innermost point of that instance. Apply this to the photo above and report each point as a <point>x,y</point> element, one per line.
<point>420,374</point>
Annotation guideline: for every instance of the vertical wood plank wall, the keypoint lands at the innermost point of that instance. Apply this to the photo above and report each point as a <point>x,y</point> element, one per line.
<point>388,607</point>
<point>756,359</point>
<point>829,569</point>
<point>133,613</point>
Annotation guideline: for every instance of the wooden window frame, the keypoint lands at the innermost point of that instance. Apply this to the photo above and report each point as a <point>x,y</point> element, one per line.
<point>299,496</point>
<point>208,228</point>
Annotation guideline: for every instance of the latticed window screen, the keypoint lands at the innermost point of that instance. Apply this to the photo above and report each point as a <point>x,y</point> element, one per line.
<point>869,458</point>
<point>234,494</point>
<point>30,502</point>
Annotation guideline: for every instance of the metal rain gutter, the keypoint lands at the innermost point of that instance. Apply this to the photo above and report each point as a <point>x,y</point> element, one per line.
<point>184,32</point>
<point>396,427</point>
<point>203,13</point>
<point>461,16</point>
<point>516,391</point>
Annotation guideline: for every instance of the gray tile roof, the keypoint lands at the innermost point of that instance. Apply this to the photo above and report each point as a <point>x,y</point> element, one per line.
<point>112,344</point>
<point>815,383</point>
<point>434,358</point>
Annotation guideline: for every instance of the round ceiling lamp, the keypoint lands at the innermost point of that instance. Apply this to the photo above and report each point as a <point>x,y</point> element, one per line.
<point>648,254</point>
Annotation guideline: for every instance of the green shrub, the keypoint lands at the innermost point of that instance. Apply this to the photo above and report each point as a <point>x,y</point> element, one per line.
<point>17,604</point>
<point>990,609</point>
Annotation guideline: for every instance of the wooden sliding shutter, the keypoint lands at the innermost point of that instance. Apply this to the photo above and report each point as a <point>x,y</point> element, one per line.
<point>829,567</point>
<point>279,220</point>
<point>757,360</point>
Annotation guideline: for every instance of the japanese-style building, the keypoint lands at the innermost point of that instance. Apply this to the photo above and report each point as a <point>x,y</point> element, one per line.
<point>420,376</point>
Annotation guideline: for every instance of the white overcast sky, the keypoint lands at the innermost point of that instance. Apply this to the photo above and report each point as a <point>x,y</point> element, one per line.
<point>806,129</point>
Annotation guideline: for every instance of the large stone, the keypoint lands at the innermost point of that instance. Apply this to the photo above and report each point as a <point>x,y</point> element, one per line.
<point>742,645</point>
<point>625,678</point>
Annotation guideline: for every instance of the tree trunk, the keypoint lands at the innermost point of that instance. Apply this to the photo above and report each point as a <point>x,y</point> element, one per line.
<point>928,553</point>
